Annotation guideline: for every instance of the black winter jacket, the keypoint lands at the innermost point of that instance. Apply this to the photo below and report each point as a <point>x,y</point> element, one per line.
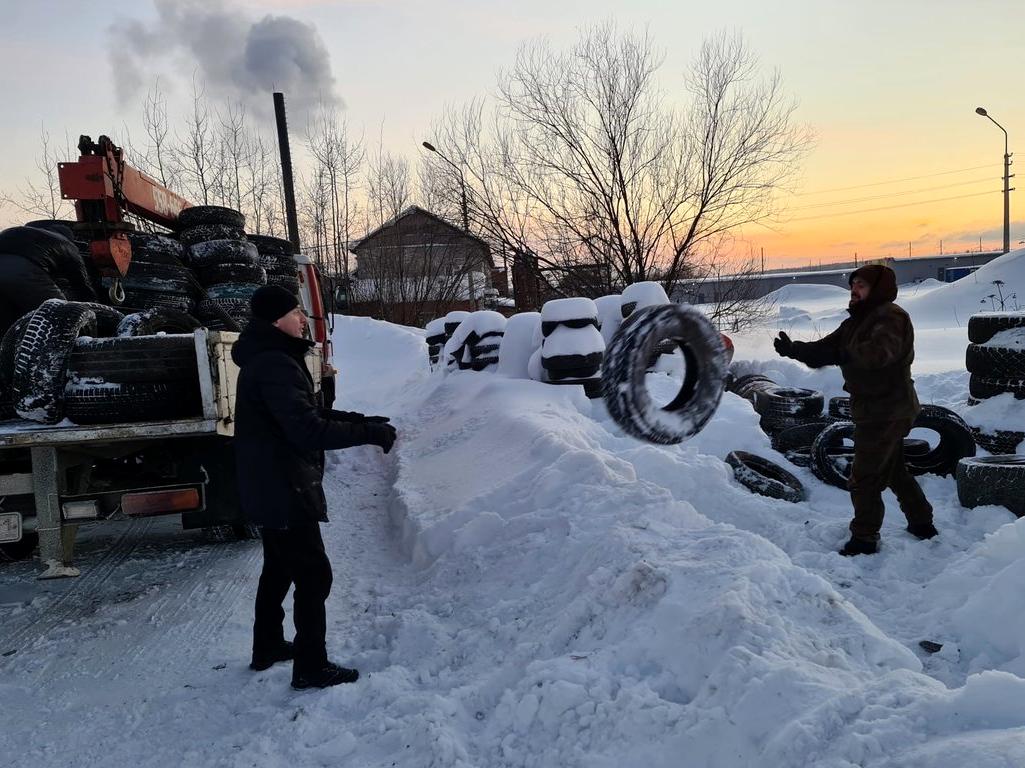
<point>280,431</point>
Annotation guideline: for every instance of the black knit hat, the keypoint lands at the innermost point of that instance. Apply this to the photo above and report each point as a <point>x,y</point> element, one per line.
<point>272,302</point>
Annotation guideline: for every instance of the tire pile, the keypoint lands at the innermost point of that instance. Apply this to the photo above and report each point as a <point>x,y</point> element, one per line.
<point>572,347</point>
<point>157,277</point>
<point>223,260</point>
<point>435,340</point>
<point>996,368</point>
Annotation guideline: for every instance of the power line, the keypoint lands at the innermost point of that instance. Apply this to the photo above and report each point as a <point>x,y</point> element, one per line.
<point>892,194</point>
<point>891,207</point>
<point>892,181</point>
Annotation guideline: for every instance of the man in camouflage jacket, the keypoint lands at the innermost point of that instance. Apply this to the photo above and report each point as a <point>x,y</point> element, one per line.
<point>874,348</point>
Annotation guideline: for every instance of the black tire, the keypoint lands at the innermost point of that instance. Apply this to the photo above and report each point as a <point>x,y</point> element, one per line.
<point>840,408</point>
<point>155,249</point>
<point>799,457</point>
<point>289,282</point>
<point>8,351</point>
<point>745,386</point>
<point>830,461</point>
<point>774,424</point>
<point>558,363</point>
<point>998,480</point>
<point>156,321</point>
<point>164,358</point>
<point>955,442</point>
<point>41,361</point>
<point>107,318</point>
<point>230,272</point>
<point>140,401</point>
<point>765,478</point>
<point>998,442</point>
<point>205,215</point>
<point>277,265</point>
<point>984,326</point>
<point>21,549</point>
<point>239,291</point>
<point>625,368</point>
<point>212,315</point>
<point>586,372</point>
<point>996,362</point>
<point>913,448</point>
<point>984,387</point>
<point>800,436</point>
<point>790,402</point>
<point>212,252</point>
<point>237,309</point>
<point>141,300</point>
<point>272,245</point>
<point>207,232</point>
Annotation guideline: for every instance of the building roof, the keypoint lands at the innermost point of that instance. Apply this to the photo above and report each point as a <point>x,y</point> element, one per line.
<point>412,211</point>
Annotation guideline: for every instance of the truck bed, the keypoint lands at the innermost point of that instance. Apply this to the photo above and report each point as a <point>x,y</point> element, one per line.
<point>16,433</point>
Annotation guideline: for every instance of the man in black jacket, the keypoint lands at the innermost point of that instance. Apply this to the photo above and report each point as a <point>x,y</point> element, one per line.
<point>280,438</point>
<point>36,265</point>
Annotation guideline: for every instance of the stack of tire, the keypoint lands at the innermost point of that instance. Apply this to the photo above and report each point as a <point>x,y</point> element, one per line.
<point>638,296</point>
<point>35,353</point>
<point>275,256</point>
<point>223,260</point>
<point>485,340</point>
<point>157,278</point>
<point>453,354</point>
<point>435,330</point>
<point>572,348</point>
<point>995,357</point>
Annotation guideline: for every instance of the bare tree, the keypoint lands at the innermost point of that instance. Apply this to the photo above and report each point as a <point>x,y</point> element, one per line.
<point>42,197</point>
<point>388,187</point>
<point>195,153</point>
<point>582,163</point>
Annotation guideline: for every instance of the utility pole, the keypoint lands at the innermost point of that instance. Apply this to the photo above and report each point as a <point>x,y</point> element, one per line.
<point>763,261</point>
<point>1007,181</point>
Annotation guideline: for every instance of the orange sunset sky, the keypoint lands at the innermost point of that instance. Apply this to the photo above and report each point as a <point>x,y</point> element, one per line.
<point>888,88</point>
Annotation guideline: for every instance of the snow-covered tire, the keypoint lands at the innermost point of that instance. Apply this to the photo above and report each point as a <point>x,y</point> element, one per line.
<point>272,245</point>
<point>194,235</point>
<point>240,291</point>
<point>984,387</point>
<point>205,215</point>
<point>799,457</point>
<point>765,478</point>
<point>155,249</point>
<point>140,401</point>
<point>570,362</point>
<point>745,386</point>
<point>155,321</point>
<point>830,459</point>
<point>278,265</point>
<point>626,366</point>
<point>108,319</point>
<point>41,362</point>
<point>984,326</point>
<point>840,408</point>
<point>164,358</point>
<point>231,272</point>
<point>164,278</point>
<point>1000,441</point>
<point>792,402</point>
<point>998,480</point>
<point>141,300</point>
<point>230,251</point>
<point>995,362</point>
<point>800,436</point>
<point>585,372</point>
<point>213,316</point>
<point>8,350</point>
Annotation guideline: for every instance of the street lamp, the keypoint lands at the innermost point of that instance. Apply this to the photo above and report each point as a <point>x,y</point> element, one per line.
<point>1007,180</point>
<point>462,180</point>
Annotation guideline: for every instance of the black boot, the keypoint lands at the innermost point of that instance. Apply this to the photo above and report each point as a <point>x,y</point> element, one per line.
<point>923,531</point>
<point>859,547</point>
<point>266,658</point>
<point>323,677</point>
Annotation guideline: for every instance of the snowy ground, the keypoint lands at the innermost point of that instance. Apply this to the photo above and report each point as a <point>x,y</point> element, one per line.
<point>523,585</point>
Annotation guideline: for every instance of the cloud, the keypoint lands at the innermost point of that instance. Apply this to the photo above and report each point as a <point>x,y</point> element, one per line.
<point>233,56</point>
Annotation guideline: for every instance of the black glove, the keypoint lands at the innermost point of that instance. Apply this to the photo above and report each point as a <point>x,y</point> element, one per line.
<point>376,419</point>
<point>784,346</point>
<point>349,417</point>
<point>381,434</point>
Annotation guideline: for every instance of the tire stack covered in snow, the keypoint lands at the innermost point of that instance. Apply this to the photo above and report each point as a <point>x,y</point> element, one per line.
<point>638,296</point>
<point>453,353</point>
<point>572,346</point>
<point>275,256</point>
<point>223,260</point>
<point>475,342</point>
<point>435,339</point>
<point>157,278</point>
<point>521,340</point>
<point>995,357</point>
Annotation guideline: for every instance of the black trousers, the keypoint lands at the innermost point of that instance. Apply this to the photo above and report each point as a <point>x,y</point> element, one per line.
<point>294,556</point>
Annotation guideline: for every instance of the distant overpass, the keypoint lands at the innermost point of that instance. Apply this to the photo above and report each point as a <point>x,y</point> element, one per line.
<point>755,285</point>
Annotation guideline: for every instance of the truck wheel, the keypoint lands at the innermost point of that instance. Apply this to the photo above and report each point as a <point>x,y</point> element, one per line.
<point>213,316</point>
<point>626,366</point>
<point>154,321</point>
<point>765,478</point>
<point>986,325</point>
<point>272,245</point>
<point>206,232</point>
<point>20,550</point>
<point>165,359</point>
<point>138,401</point>
<point>204,215</point>
<point>41,362</point>
<point>996,480</point>
<point>231,272</point>
<point>211,252</point>
<point>8,349</point>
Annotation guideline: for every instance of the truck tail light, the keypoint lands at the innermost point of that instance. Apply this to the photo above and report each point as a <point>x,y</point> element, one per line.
<point>160,502</point>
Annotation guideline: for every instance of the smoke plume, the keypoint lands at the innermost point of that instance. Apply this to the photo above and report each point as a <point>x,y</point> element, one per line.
<point>230,54</point>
